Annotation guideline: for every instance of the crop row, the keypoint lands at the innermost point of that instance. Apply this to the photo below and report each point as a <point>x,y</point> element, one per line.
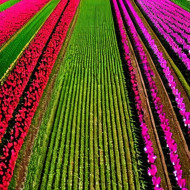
<point>149,74</point>
<point>177,22</point>
<point>166,69</point>
<point>13,87</point>
<point>148,148</point>
<point>167,30</point>
<point>32,97</point>
<point>15,17</point>
<point>5,4</point>
<point>179,9</point>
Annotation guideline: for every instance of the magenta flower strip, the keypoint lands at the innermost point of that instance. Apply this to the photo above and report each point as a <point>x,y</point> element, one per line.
<point>164,122</point>
<point>13,87</point>
<point>179,32</point>
<point>167,33</point>
<point>171,28</point>
<point>164,66</point>
<point>148,148</point>
<point>172,7</point>
<point>31,100</point>
<point>174,19</point>
<point>185,14</point>
<point>13,18</point>
<point>182,18</point>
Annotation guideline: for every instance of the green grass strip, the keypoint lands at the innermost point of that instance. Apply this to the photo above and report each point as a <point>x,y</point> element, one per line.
<point>11,51</point>
<point>42,142</point>
<point>183,3</point>
<point>74,175</point>
<point>75,134</point>
<point>59,142</point>
<point>8,4</point>
<point>70,133</point>
<point>82,134</point>
<point>55,136</point>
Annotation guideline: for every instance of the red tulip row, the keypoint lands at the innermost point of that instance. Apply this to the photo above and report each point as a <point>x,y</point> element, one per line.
<point>145,134</point>
<point>16,82</point>
<point>13,18</point>
<point>2,1</point>
<point>164,122</point>
<point>32,96</point>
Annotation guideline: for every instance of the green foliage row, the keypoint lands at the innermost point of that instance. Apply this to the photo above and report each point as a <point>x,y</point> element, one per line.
<point>183,3</point>
<point>8,4</point>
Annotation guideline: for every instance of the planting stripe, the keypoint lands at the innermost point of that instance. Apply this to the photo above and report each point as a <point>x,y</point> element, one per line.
<point>7,4</point>
<point>166,69</point>
<point>26,64</point>
<point>172,38</point>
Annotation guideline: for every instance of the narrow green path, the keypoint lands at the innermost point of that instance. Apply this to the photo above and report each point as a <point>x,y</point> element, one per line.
<point>15,46</point>
<point>87,143</point>
<point>183,3</point>
<point>8,4</point>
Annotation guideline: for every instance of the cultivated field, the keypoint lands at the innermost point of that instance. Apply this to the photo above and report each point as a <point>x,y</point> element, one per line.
<point>94,94</point>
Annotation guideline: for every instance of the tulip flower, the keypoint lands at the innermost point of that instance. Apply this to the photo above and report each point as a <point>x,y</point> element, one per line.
<point>152,170</point>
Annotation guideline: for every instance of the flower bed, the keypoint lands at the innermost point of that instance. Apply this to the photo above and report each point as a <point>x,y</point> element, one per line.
<point>32,96</point>
<point>13,18</point>
<point>3,1</point>
<point>146,137</point>
<point>166,23</point>
<point>166,69</point>
<point>164,122</point>
<point>16,82</point>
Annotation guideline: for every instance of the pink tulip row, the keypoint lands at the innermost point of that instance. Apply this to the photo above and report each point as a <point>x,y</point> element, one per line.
<point>180,22</point>
<point>179,10</point>
<point>170,24</point>
<point>166,69</point>
<point>13,18</point>
<point>146,137</point>
<point>170,35</point>
<point>185,14</point>
<point>179,31</point>
<point>13,87</point>
<point>164,122</point>
<point>181,19</point>
<point>32,97</point>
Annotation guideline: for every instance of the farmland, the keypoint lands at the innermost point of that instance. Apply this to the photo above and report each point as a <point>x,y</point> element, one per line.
<point>94,95</point>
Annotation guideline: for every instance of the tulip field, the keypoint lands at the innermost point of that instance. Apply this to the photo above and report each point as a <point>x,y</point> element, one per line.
<point>94,94</point>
